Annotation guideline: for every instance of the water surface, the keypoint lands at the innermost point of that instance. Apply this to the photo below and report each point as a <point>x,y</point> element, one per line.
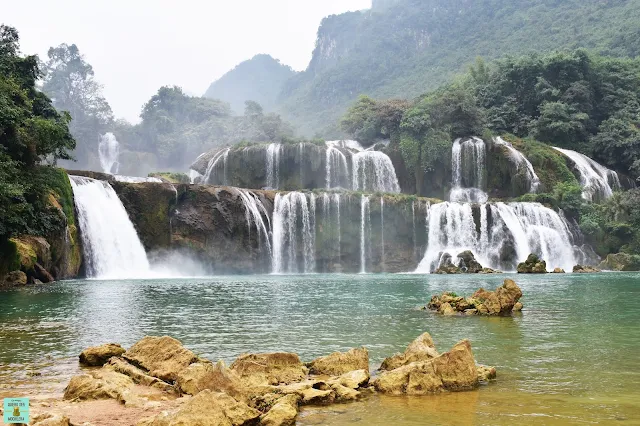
<point>572,356</point>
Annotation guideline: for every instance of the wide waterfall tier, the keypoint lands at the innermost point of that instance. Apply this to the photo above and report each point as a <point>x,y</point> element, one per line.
<point>108,153</point>
<point>468,166</point>
<point>331,165</point>
<point>501,235</point>
<point>112,249</point>
<point>598,182</point>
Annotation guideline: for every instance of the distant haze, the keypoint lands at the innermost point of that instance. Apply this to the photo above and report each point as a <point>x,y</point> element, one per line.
<point>137,46</point>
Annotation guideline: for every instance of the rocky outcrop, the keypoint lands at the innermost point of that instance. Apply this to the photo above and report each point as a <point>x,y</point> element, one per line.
<point>533,265</point>
<point>163,357</point>
<point>558,271</point>
<point>98,356</point>
<point>585,269</point>
<point>621,262</point>
<point>15,278</point>
<point>503,301</point>
<point>421,349</point>
<point>265,389</point>
<point>208,409</point>
<point>339,363</point>
<point>465,263</point>
<point>455,371</point>
<point>269,369</point>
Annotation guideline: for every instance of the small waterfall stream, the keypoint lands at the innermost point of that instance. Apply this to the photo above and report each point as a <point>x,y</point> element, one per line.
<point>108,153</point>
<point>112,249</point>
<point>294,233</point>
<point>337,168</point>
<point>216,173</point>
<point>598,182</point>
<point>468,171</point>
<point>522,163</point>
<point>373,171</point>
<point>365,233</point>
<point>272,163</point>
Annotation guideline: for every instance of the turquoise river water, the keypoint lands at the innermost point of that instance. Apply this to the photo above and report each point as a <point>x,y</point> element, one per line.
<point>571,357</point>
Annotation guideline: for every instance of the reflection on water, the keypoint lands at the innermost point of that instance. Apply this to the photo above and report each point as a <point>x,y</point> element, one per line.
<point>571,355</point>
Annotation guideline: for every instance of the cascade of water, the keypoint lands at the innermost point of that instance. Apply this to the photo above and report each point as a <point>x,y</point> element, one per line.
<point>108,153</point>
<point>373,171</point>
<point>255,215</point>
<point>382,232</point>
<point>217,167</point>
<point>273,152</point>
<point>135,179</point>
<point>365,225</point>
<point>346,144</point>
<point>468,171</point>
<point>337,168</point>
<point>336,200</point>
<point>293,227</point>
<point>521,162</point>
<point>505,236</point>
<point>331,232</point>
<point>193,176</point>
<point>112,249</point>
<point>598,182</point>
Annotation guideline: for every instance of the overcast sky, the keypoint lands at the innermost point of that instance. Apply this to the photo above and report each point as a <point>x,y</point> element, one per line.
<point>136,46</point>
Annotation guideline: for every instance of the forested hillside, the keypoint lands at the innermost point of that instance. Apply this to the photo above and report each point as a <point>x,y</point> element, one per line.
<point>411,46</point>
<point>259,79</point>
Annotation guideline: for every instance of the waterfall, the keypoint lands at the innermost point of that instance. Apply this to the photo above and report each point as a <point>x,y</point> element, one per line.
<point>272,162</point>
<point>337,168</point>
<point>382,232</point>
<point>522,163</point>
<point>365,233</point>
<point>135,179</point>
<point>194,176</point>
<point>506,235</point>
<point>346,144</point>
<point>255,212</point>
<point>373,171</point>
<point>108,153</point>
<point>293,233</point>
<point>598,182</point>
<point>468,171</point>
<point>217,167</point>
<point>330,231</point>
<point>112,249</point>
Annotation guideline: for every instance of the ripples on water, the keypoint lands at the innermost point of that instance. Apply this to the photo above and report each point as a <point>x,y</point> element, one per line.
<point>573,350</point>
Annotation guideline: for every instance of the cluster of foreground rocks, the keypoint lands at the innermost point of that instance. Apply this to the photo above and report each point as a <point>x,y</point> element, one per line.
<point>503,301</point>
<point>256,389</point>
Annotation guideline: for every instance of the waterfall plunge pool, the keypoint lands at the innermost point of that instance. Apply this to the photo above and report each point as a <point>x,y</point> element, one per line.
<point>570,357</point>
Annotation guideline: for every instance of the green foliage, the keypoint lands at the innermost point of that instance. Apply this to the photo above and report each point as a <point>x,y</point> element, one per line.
<point>369,120</point>
<point>417,45</point>
<point>69,80</point>
<point>31,134</point>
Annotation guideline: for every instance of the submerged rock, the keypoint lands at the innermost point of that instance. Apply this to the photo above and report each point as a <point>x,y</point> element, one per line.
<point>97,356</point>
<point>533,265</point>
<point>500,302</point>
<point>339,363</point>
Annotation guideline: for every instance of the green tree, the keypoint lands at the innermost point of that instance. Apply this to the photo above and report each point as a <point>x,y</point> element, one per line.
<point>70,82</point>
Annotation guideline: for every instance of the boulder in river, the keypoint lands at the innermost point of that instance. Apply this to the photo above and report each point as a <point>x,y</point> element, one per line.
<point>339,363</point>
<point>15,278</point>
<point>421,349</point>
<point>163,357</point>
<point>464,263</point>
<point>97,356</point>
<point>502,301</point>
<point>455,370</point>
<point>269,369</point>
<point>585,269</point>
<point>533,265</point>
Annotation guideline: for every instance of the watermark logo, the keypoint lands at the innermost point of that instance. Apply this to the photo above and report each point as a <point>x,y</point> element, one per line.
<point>16,410</point>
